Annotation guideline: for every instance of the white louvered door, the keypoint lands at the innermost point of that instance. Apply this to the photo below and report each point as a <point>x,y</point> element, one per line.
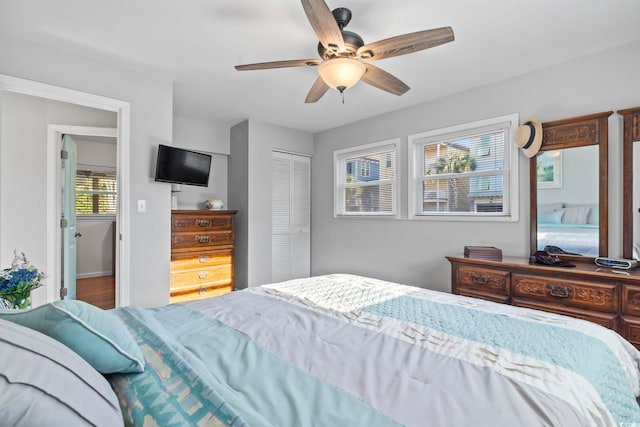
<point>291,217</point>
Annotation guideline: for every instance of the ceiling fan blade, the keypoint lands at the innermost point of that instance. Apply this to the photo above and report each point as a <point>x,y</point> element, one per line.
<point>324,24</point>
<point>279,64</point>
<point>318,89</point>
<point>406,43</point>
<point>382,80</point>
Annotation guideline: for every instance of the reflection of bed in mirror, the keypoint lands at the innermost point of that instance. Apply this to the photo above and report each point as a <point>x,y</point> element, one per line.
<point>572,229</point>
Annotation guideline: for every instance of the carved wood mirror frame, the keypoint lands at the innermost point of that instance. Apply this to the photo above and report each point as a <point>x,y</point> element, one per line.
<point>580,131</point>
<point>630,134</point>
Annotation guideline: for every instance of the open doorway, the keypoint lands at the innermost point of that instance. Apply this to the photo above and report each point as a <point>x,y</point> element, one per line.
<point>89,214</point>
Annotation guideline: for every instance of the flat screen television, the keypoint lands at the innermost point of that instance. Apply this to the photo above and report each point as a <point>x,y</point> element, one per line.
<point>180,166</point>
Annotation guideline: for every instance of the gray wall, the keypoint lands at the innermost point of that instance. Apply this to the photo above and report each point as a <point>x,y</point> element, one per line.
<point>94,256</point>
<point>150,98</point>
<point>580,178</point>
<point>253,142</point>
<point>238,180</point>
<point>23,173</point>
<point>208,137</point>
<point>413,252</point>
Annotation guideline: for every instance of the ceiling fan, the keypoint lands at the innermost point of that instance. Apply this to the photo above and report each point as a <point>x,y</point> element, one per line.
<point>343,53</point>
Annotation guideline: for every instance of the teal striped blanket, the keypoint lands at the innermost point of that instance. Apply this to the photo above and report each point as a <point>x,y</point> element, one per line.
<point>344,350</point>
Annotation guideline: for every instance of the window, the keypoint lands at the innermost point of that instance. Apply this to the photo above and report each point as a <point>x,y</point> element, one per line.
<point>96,192</point>
<point>366,180</point>
<point>465,172</point>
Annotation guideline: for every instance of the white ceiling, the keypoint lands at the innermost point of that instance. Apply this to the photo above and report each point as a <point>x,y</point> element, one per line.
<point>196,43</point>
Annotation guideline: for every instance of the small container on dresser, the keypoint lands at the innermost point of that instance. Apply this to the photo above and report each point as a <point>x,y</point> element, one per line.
<point>608,297</point>
<point>202,254</point>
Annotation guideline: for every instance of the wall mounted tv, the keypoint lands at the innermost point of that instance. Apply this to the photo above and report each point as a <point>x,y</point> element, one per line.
<point>180,166</point>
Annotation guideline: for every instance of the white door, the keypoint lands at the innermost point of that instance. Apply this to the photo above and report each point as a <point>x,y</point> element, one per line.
<point>290,216</point>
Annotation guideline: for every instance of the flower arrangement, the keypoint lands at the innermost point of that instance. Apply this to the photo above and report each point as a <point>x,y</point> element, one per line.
<point>17,282</point>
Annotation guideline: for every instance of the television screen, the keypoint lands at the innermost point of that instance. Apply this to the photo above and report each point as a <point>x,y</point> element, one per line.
<point>180,166</point>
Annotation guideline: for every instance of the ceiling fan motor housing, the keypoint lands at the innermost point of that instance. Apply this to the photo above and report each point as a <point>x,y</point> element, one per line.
<point>352,42</point>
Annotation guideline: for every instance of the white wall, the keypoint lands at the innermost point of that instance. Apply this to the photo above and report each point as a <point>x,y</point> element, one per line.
<point>150,98</point>
<point>254,141</point>
<point>413,252</point>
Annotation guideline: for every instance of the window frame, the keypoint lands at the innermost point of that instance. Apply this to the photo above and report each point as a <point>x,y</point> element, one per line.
<point>340,185</point>
<point>510,184</point>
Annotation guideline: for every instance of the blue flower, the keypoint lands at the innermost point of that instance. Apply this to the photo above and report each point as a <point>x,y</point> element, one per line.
<point>20,277</point>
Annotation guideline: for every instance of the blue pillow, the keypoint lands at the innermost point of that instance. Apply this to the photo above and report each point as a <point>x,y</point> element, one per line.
<point>554,217</point>
<point>96,335</point>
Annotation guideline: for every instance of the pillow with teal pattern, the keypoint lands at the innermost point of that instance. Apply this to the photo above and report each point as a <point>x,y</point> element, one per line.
<point>96,335</point>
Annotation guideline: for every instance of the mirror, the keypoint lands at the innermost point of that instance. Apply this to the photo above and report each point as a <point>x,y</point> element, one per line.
<point>630,180</point>
<point>569,188</point>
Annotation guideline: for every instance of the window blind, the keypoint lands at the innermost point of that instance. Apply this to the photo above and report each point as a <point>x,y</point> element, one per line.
<point>96,193</point>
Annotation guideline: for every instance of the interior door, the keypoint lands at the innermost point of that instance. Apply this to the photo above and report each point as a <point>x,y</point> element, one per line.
<point>290,216</point>
<point>68,220</point>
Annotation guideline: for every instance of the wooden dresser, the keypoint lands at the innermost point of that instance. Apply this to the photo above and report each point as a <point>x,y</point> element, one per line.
<point>202,244</point>
<point>609,298</point>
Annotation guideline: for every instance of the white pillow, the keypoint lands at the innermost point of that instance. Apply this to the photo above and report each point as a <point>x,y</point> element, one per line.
<point>44,383</point>
<point>576,214</point>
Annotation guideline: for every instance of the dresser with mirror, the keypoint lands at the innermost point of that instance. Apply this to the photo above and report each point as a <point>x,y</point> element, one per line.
<point>569,216</point>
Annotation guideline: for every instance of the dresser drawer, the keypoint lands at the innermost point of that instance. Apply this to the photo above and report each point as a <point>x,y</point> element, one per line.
<point>630,330</point>
<point>201,223</point>
<point>184,280</point>
<point>596,296</point>
<point>631,300</point>
<point>191,260</point>
<point>199,293</point>
<point>196,241</point>
<point>484,280</point>
<point>607,320</point>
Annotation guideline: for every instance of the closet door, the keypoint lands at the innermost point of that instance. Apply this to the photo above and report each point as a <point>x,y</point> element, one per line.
<point>291,217</point>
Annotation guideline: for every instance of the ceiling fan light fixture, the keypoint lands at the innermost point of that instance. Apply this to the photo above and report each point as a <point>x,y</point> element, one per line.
<point>341,73</point>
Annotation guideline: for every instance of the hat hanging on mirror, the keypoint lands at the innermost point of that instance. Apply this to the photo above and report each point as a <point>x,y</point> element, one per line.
<point>529,137</point>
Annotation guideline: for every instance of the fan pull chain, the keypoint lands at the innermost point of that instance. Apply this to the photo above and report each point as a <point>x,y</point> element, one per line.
<point>341,89</point>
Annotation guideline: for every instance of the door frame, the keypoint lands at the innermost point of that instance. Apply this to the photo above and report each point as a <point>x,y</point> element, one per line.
<point>54,163</point>
<point>123,111</point>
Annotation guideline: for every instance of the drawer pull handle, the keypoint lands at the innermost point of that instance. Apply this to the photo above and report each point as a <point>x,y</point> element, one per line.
<point>203,222</point>
<point>202,259</point>
<point>203,239</point>
<point>480,279</point>
<point>559,291</point>
<point>203,275</point>
<point>202,291</point>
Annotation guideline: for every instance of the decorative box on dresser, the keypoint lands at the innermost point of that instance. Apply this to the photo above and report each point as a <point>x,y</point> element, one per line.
<point>608,297</point>
<point>202,247</point>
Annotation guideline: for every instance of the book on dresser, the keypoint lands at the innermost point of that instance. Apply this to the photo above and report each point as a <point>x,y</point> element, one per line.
<point>490,253</point>
<point>202,254</point>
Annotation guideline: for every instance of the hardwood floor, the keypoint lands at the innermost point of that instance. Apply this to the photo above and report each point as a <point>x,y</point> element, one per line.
<point>98,291</point>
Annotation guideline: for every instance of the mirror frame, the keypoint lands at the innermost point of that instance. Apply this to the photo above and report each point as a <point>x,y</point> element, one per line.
<point>631,134</point>
<point>579,131</point>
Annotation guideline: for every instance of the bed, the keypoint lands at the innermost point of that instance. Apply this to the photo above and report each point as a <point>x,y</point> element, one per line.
<point>582,239</point>
<point>572,228</point>
<point>345,350</point>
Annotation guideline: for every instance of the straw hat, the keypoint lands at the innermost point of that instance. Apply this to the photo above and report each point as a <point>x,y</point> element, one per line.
<point>529,137</point>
